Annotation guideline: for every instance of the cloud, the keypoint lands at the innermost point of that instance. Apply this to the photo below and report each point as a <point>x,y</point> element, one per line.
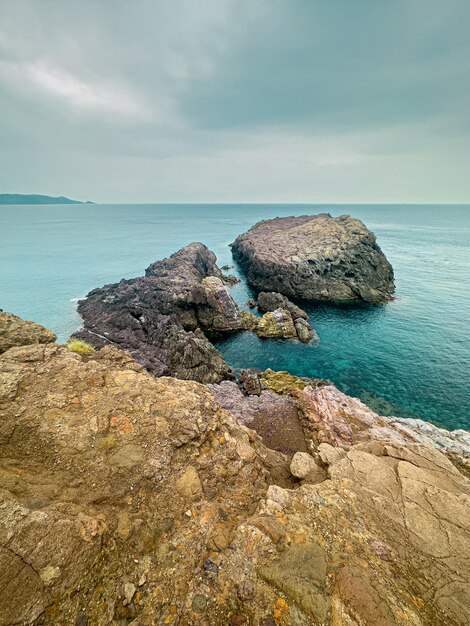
<point>235,99</point>
<point>40,79</point>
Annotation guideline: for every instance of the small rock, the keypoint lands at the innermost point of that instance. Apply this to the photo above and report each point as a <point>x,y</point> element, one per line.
<point>49,574</point>
<point>328,454</point>
<point>270,526</point>
<point>220,540</point>
<point>303,466</point>
<point>251,303</point>
<point>129,591</point>
<point>276,324</point>
<point>246,590</point>
<point>189,484</point>
<point>250,382</point>
<point>210,566</point>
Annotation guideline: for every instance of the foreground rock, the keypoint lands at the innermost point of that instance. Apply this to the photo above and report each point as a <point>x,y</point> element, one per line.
<point>315,258</point>
<point>130,499</point>
<point>15,331</point>
<point>164,319</point>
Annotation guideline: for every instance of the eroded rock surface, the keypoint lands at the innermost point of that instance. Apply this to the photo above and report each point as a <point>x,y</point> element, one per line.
<point>164,319</point>
<point>315,258</point>
<point>126,498</point>
<point>15,331</point>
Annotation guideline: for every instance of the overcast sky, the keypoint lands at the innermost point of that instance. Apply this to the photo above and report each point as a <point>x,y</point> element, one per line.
<point>236,100</point>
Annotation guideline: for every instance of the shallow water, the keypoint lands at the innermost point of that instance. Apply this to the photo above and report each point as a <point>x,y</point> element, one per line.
<point>410,357</point>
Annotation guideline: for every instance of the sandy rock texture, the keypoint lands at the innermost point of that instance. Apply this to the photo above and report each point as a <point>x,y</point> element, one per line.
<point>15,331</point>
<point>315,257</point>
<point>164,318</point>
<point>130,499</point>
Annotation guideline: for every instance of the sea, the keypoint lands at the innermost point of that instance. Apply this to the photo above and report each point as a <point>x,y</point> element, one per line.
<point>409,357</point>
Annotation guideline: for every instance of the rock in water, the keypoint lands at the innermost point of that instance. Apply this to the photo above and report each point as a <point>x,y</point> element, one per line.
<point>271,301</point>
<point>315,257</point>
<point>164,318</point>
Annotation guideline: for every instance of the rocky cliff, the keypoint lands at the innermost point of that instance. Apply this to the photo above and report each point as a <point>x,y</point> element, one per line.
<point>315,257</point>
<point>126,498</point>
<point>164,318</point>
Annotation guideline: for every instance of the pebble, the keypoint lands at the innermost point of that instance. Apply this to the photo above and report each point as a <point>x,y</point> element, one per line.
<point>129,591</point>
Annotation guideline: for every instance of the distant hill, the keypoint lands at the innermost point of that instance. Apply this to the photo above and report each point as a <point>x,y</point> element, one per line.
<point>18,198</point>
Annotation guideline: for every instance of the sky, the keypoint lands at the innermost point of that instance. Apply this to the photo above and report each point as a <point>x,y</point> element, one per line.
<point>315,101</point>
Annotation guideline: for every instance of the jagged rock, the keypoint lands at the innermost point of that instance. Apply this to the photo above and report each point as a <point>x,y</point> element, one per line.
<point>270,301</point>
<point>315,258</point>
<point>282,382</point>
<point>251,303</point>
<point>251,382</point>
<point>15,331</point>
<point>276,325</point>
<point>129,498</point>
<point>304,331</point>
<point>250,321</point>
<point>164,318</point>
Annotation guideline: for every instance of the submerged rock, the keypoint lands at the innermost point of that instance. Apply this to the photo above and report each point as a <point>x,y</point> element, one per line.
<point>315,258</point>
<point>165,319</point>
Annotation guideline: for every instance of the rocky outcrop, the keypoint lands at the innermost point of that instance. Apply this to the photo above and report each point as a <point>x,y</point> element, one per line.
<point>279,324</point>
<point>165,319</point>
<point>315,258</point>
<point>271,302</point>
<point>126,498</point>
<point>15,331</point>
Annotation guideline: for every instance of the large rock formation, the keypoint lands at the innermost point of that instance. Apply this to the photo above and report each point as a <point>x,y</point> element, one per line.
<point>315,258</point>
<point>164,319</point>
<point>126,498</point>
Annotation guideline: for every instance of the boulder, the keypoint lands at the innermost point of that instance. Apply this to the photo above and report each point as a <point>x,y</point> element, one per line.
<point>315,257</point>
<point>276,325</point>
<point>304,466</point>
<point>270,301</point>
<point>15,331</point>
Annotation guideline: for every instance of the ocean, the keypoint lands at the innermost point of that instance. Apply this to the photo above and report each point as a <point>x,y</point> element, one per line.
<point>409,357</point>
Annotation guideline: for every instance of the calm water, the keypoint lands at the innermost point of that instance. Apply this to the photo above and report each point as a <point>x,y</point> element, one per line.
<point>411,357</point>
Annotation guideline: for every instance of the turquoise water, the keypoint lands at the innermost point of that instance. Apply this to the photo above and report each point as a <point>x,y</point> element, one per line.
<point>411,355</point>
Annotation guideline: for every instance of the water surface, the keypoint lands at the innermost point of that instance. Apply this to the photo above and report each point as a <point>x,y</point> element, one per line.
<point>410,357</point>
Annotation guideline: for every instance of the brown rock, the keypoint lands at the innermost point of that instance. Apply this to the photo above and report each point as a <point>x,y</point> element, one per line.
<point>15,331</point>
